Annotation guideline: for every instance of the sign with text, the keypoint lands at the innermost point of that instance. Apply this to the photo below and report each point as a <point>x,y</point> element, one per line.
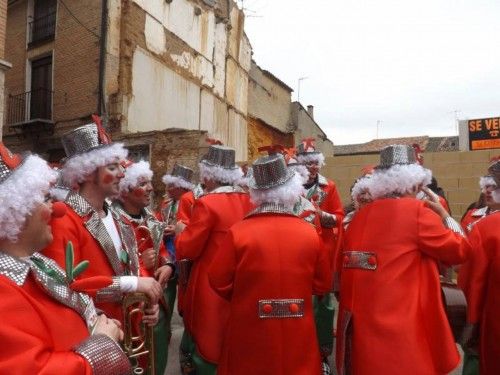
<point>484,133</point>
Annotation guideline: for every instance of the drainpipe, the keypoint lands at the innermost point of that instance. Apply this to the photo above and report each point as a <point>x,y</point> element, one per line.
<point>101,103</point>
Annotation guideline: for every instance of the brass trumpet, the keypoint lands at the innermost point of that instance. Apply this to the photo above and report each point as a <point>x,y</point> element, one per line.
<point>138,340</point>
<point>153,236</point>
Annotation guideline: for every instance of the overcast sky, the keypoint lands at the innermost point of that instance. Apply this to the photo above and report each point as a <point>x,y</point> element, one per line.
<point>408,64</point>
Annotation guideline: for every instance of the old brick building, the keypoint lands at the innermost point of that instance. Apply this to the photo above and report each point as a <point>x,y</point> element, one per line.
<point>171,73</point>
<point>4,65</point>
<point>274,119</point>
<point>163,74</point>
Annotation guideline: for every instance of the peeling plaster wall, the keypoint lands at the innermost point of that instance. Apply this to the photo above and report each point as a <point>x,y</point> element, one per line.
<point>268,100</point>
<point>186,68</point>
<point>161,98</point>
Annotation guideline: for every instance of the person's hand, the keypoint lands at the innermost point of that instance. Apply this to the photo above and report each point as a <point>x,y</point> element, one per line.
<point>108,327</point>
<point>148,258</point>
<point>151,315</point>
<point>179,227</point>
<point>163,274</point>
<point>150,287</point>
<point>433,203</point>
<point>169,230</point>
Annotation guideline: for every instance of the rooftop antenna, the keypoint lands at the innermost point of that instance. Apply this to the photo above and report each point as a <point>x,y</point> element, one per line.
<point>298,87</point>
<point>455,114</point>
<point>378,125</point>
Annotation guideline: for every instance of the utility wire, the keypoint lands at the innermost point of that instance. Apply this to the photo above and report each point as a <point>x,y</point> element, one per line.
<point>77,20</point>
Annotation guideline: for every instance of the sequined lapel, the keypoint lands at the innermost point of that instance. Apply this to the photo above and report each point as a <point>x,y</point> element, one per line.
<point>129,243</point>
<point>17,270</point>
<point>96,227</point>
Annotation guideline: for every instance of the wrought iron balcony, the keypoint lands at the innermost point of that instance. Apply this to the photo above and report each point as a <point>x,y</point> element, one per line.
<point>30,111</point>
<point>42,29</point>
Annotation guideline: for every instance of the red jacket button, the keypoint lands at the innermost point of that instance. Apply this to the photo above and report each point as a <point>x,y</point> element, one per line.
<point>267,308</point>
<point>294,308</point>
<point>372,260</point>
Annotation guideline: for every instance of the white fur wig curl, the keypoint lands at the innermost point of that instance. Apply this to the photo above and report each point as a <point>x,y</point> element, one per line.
<point>133,175</point>
<point>21,192</point>
<point>219,174</point>
<point>78,167</point>
<point>177,181</point>
<point>311,157</point>
<point>301,170</point>
<point>398,180</point>
<point>486,181</point>
<point>286,194</point>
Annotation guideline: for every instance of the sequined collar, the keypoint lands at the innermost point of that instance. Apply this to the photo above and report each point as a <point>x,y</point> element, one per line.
<point>226,189</point>
<point>16,269</point>
<point>480,212</point>
<point>275,208</point>
<point>79,204</point>
<point>322,181</point>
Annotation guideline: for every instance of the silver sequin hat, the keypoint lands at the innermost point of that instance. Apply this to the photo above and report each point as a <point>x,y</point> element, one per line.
<point>82,140</point>
<point>269,172</point>
<point>396,155</point>
<point>220,156</point>
<point>494,170</point>
<point>182,172</point>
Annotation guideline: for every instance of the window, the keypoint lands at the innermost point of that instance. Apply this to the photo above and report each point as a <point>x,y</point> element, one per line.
<point>41,89</point>
<point>43,25</point>
<point>138,153</point>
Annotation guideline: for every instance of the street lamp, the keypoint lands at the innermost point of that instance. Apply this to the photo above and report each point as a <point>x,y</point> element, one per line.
<point>298,87</point>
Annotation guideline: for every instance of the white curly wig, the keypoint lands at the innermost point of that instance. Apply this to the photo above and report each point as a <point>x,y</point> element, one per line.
<point>177,181</point>
<point>301,170</point>
<point>496,195</point>
<point>21,192</point>
<point>78,167</point>
<point>133,174</point>
<point>286,194</point>
<point>486,181</point>
<point>219,174</point>
<point>311,157</point>
<point>398,180</point>
<point>360,191</point>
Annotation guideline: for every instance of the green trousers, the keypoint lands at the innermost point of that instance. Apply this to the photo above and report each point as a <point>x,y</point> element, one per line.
<point>471,364</point>
<point>163,330</point>
<point>191,361</point>
<point>323,317</point>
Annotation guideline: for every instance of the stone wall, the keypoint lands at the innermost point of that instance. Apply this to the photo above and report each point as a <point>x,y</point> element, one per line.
<point>457,173</point>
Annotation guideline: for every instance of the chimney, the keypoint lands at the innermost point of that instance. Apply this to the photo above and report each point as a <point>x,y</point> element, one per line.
<point>310,110</point>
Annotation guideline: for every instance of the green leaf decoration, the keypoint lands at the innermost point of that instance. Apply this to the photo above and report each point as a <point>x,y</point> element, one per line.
<point>48,271</point>
<point>79,268</point>
<point>124,257</point>
<point>70,257</point>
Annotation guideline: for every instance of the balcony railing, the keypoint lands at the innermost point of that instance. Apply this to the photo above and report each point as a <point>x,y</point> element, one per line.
<point>29,106</point>
<point>42,28</point>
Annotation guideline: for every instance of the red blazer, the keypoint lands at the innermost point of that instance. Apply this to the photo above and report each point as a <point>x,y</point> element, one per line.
<point>38,333</point>
<point>71,227</point>
<point>328,200</point>
<point>480,278</point>
<point>185,209</point>
<point>284,261</point>
<point>205,313</point>
<point>393,313</point>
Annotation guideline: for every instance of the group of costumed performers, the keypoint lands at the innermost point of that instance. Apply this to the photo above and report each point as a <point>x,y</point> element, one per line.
<point>255,262</point>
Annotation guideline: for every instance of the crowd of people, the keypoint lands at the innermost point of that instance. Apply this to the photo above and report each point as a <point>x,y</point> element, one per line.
<point>255,261</point>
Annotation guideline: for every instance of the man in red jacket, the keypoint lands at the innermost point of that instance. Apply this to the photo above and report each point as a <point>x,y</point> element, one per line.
<point>480,279</point>
<point>323,194</point>
<point>48,325</point>
<point>205,312</point>
<point>132,208</point>
<point>93,167</point>
<point>392,319</point>
<point>268,267</point>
